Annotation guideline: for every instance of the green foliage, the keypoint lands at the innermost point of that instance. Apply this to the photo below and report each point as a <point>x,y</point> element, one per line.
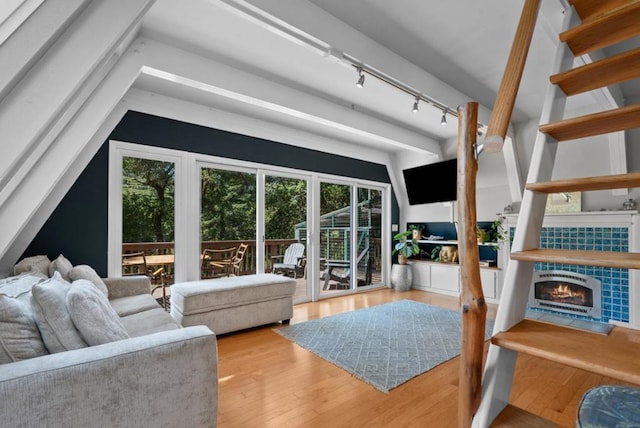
<point>404,246</point>
<point>285,206</point>
<point>228,205</point>
<point>334,197</point>
<point>435,253</point>
<point>147,200</point>
<point>497,232</point>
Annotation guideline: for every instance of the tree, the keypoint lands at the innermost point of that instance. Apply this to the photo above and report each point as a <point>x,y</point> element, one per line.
<point>228,205</point>
<point>285,206</point>
<point>147,200</point>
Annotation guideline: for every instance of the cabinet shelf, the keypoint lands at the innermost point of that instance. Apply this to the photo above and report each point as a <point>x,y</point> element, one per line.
<point>442,241</point>
<point>433,262</point>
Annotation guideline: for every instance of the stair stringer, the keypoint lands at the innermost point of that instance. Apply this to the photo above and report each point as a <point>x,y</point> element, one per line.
<point>500,364</point>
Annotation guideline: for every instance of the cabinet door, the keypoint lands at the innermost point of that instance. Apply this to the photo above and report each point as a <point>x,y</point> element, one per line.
<point>421,275</point>
<point>445,277</point>
<point>488,279</point>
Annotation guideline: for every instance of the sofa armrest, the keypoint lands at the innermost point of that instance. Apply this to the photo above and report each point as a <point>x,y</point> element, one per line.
<point>162,379</point>
<point>128,286</point>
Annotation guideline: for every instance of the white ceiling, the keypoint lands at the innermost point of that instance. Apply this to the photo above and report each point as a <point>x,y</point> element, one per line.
<point>452,51</point>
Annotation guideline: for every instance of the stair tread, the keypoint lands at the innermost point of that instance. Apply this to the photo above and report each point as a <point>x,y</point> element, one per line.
<point>614,26</point>
<point>515,417</point>
<point>615,355</point>
<point>585,184</point>
<point>590,9</point>
<point>608,71</point>
<point>580,257</point>
<point>614,120</point>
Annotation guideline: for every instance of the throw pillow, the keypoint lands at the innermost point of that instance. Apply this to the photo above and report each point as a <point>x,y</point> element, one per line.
<point>14,286</point>
<point>52,318</point>
<point>62,265</point>
<point>19,335</point>
<point>92,314</point>
<point>33,264</point>
<point>87,272</point>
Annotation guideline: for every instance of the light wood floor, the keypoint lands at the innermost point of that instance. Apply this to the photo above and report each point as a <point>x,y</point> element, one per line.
<point>266,380</point>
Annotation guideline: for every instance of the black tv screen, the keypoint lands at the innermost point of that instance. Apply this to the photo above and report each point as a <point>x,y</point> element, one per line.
<point>435,182</point>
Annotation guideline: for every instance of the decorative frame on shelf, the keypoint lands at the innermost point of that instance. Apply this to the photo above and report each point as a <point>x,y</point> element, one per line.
<point>565,202</point>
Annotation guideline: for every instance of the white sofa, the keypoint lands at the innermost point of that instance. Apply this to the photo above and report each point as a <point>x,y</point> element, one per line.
<point>161,376</point>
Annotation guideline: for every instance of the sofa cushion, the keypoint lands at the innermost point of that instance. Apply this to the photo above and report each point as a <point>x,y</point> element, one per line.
<point>133,304</point>
<point>33,264</point>
<point>87,272</point>
<point>147,322</point>
<point>52,317</point>
<point>92,315</point>
<point>19,335</point>
<point>62,265</point>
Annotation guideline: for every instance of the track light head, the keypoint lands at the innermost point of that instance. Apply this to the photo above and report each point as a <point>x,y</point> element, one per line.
<point>415,105</point>
<point>360,83</point>
<point>443,121</point>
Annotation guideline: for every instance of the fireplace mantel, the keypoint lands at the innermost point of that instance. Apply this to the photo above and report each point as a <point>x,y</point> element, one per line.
<point>587,218</point>
<point>597,219</point>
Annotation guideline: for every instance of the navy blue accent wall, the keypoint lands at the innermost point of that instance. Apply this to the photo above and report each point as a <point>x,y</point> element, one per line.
<point>78,226</point>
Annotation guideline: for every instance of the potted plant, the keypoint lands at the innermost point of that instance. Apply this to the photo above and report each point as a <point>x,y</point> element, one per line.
<point>405,247</point>
<point>497,232</point>
<point>416,231</point>
<point>482,235</point>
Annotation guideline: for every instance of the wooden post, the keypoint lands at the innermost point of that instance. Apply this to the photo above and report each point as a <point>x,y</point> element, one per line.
<point>506,97</point>
<point>474,309</point>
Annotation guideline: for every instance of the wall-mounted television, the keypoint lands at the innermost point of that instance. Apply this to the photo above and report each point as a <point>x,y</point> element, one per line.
<point>434,182</point>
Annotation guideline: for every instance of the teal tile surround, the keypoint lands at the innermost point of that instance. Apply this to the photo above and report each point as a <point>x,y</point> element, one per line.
<point>615,281</point>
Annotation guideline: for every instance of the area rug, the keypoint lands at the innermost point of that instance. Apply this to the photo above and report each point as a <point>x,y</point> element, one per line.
<point>384,345</point>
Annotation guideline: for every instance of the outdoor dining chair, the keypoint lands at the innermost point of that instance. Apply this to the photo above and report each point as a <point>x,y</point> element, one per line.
<point>136,264</point>
<point>236,262</point>
<point>217,262</point>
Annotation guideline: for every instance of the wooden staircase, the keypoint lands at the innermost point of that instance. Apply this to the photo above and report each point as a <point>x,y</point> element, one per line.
<point>590,25</point>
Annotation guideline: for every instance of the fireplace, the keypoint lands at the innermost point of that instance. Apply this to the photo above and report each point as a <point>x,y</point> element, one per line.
<point>567,292</point>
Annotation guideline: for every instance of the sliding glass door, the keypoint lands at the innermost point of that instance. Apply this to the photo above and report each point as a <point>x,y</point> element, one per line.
<point>285,230</point>
<point>227,222</point>
<point>335,238</point>
<point>194,217</point>
<point>369,239</point>
<point>148,220</point>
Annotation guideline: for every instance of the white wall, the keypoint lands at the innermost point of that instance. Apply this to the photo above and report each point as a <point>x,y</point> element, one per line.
<point>492,187</point>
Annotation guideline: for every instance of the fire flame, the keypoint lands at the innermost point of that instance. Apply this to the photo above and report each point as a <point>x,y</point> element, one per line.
<point>563,291</point>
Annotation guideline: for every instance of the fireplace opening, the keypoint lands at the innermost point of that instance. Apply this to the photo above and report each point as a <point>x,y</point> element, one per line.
<point>566,292</point>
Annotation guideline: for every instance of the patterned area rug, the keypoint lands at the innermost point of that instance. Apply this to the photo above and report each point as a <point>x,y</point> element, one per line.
<point>384,345</point>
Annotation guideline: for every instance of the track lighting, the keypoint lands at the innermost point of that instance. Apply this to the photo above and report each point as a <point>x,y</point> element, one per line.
<point>360,83</point>
<point>418,96</point>
<point>415,105</point>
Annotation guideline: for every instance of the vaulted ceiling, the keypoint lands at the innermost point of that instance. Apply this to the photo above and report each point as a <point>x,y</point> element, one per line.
<point>449,51</point>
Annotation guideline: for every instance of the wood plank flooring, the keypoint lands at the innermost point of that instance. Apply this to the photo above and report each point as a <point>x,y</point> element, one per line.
<point>266,380</point>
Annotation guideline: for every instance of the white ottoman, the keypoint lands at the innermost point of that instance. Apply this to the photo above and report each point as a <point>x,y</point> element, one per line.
<point>234,303</point>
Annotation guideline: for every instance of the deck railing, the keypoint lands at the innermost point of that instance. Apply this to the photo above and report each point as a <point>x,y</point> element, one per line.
<point>273,247</point>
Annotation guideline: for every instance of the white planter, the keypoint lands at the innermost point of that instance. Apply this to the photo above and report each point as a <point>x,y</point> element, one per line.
<point>401,277</point>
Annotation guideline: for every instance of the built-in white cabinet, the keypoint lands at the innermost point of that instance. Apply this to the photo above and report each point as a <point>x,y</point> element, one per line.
<point>421,275</point>
<point>445,278</point>
<point>488,277</point>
